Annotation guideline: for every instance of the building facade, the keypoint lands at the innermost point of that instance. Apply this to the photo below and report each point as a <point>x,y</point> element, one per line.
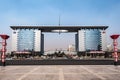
<point>26,40</point>
<point>31,38</point>
<point>91,40</point>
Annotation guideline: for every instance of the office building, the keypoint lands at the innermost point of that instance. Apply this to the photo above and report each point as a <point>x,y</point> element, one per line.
<point>31,38</point>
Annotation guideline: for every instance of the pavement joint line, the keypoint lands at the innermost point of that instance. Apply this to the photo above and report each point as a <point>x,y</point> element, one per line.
<point>61,75</point>
<point>89,73</point>
<point>114,69</point>
<point>54,73</point>
<point>93,73</point>
<point>9,69</point>
<point>26,74</point>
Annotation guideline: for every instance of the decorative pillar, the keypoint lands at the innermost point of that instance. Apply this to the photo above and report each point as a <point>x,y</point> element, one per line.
<point>114,37</point>
<point>3,57</point>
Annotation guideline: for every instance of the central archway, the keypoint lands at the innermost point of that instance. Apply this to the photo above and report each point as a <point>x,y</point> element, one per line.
<point>56,41</point>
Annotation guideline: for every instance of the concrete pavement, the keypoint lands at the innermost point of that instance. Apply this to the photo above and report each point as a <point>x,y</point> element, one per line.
<point>60,72</point>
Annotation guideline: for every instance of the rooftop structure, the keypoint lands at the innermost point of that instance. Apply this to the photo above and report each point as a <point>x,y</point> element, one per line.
<point>50,28</point>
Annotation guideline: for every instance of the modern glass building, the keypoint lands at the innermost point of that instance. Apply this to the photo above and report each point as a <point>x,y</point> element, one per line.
<point>26,40</point>
<point>91,40</point>
<point>87,38</point>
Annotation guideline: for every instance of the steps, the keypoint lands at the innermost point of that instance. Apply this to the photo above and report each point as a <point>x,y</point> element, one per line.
<point>60,62</point>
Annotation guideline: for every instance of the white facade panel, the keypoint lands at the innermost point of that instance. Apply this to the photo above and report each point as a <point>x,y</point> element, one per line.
<point>81,40</point>
<point>14,40</point>
<point>104,40</point>
<point>37,39</point>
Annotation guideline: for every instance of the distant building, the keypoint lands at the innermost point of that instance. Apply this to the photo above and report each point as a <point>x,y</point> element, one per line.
<point>109,47</point>
<point>87,38</point>
<point>71,48</point>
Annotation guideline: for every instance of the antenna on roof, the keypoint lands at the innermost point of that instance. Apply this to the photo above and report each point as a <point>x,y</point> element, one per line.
<point>59,19</point>
<point>59,23</point>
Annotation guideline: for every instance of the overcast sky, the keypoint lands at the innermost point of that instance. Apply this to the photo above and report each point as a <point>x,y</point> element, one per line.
<point>73,12</point>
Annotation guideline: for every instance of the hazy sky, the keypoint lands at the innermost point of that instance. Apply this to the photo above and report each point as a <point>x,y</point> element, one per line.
<point>73,12</point>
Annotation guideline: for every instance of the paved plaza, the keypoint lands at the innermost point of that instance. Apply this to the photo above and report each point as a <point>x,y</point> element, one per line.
<point>60,72</point>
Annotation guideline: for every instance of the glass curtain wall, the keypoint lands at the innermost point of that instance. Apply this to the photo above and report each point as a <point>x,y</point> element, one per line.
<point>25,40</point>
<point>92,39</point>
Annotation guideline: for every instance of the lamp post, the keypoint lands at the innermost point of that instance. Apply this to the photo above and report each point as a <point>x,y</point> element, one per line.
<point>115,37</point>
<point>4,38</point>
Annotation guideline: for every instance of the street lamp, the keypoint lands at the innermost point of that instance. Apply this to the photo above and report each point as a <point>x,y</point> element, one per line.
<point>115,37</point>
<point>4,38</point>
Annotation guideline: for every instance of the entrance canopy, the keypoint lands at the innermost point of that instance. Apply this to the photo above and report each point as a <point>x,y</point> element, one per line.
<point>63,28</point>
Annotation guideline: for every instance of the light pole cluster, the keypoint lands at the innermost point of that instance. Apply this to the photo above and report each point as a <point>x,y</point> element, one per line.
<point>115,37</point>
<point>3,50</point>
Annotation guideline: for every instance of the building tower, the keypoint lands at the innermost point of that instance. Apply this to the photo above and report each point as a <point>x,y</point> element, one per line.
<point>91,39</point>
<point>26,40</point>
